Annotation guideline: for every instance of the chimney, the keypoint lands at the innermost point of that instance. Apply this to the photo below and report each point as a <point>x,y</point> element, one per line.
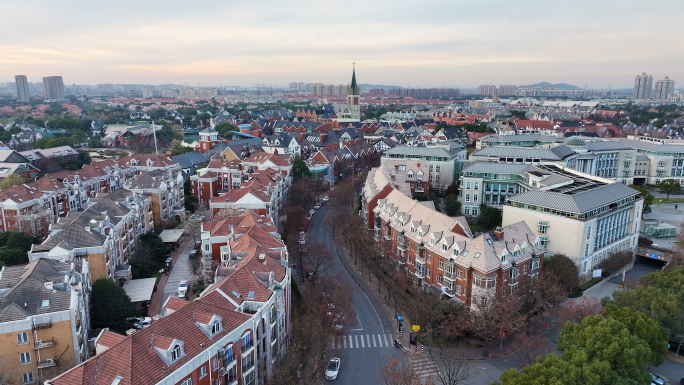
<point>262,257</point>
<point>499,233</point>
<point>168,154</point>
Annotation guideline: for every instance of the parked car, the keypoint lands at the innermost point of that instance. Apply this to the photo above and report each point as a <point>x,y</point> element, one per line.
<point>168,265</point>
<point>333,369</point>
<point>656,380</point>
<point>325,198</point>
<point>182,289</point>
<point>192,254</point>
<point>141,322</point>
<point>312,211</point>
<point>317,206</point>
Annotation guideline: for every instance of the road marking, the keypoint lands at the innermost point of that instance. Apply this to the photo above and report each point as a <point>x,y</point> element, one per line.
<point>362,345</point>
<point>367,339</point>
<point>387,340</point>
<point>345,342</point>
<point>356,338</point>
<point>374,345</point>
<point>333,343</point>
<point>351,342</point>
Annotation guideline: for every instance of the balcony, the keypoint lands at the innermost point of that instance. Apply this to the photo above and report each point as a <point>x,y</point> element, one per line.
<point>44,325</point>
<point>247,366</point>
<point>388,236</point>
<point>50,362</point>
<point>513,280</point>
<point>449,275</point>
<point>246,348</point>
<point>40,344</point>
<point>534,272</point>
<point>401,242</point>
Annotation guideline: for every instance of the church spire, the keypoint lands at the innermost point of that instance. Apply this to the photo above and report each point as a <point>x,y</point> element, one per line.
<point>354,88</point>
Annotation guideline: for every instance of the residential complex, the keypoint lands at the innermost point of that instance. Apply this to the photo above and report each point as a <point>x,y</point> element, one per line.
<point>663,89</point>
<point>444,161</point>
<point>44,319</point>
<point>54,88</point>
<point>440,252</point>
<point>22,88</point>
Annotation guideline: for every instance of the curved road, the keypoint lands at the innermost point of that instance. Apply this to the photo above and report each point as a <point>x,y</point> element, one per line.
<point>372,338</point>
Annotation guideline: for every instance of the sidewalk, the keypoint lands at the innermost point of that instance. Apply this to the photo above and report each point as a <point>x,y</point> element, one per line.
<point>158,295</point>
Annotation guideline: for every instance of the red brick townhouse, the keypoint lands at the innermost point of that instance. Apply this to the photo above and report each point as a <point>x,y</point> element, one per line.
<point>440,252</point>
<point>232,335</point>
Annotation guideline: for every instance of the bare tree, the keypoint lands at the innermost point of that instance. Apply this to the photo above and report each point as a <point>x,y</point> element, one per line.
<point>577,310</point>
<point>317,261</point>
<point>530,348</point>
<point>493,315</point>
<point>454,371</point>
<point>399,371</point>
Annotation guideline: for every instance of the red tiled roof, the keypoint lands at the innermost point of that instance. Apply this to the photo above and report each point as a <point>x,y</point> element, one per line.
<point>109,339</point>
<point>175,303</point>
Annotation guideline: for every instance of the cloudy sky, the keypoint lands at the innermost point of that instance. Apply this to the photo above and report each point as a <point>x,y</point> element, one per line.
<point>426,43</point>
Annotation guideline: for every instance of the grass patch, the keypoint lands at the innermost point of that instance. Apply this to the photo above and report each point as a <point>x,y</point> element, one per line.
<point>590,283</point>
<point>662,201</point>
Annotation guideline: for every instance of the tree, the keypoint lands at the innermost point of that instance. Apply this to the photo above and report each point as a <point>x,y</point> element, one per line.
<point>643,327</point>
<point>123,154</point>
<point>648,197</point>
<point>669,186</point>
<point>224,128</point>
<point>454,371</point>
<point>615,261</point>
<point>191,203</point>
<point>549,370</point>
<point>608,343</point>
<point>530,348</point>
<point>300,169</point>
<point>451,205</point>
<point>398,371</point>
<point>110,307</point>
<point>12,180</point>
<point>490,217</point>
<point>14,247</point>
<point>564,270</point>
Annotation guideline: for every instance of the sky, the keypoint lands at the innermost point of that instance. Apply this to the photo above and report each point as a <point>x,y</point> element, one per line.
<point>427,43</point>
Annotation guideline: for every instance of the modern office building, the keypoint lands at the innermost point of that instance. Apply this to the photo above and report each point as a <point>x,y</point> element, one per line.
<point>663,88</point>
<point>643,84</point>
<point>54,88</point>
<point>22,88</point>
<point>659,159</point>
<point>582,216</point>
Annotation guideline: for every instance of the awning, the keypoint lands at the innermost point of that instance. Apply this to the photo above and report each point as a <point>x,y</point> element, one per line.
<point>171,236</point>
<point>140,289</point>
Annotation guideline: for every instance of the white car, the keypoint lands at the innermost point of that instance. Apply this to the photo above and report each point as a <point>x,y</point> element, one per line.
<point>317,206</point>
<point>325,198</point>
<point>655,380</point>
<point>332,369</point>
<point>141,322</point>
<point>312,211</point>
<point>182,289</point>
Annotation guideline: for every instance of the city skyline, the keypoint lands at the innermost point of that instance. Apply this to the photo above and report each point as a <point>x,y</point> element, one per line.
<point>443,44</point>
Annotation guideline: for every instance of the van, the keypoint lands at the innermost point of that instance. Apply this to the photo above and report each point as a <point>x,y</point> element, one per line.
<point>168,264</point>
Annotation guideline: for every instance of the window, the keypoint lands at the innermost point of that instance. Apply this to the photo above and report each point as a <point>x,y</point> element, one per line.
<point>588,232</point>
<point>27,377</point>
<point>458,289</point>
<point>176,353</point>
<point>542,227</point>
<point>187,381</point>
<point>439,279</point>
<point>246,342</point>
<point>45,304</point>
<point>202,371</point>
<point>410,174</point>
<point>477,185</point>
<point>584,267</point>
<point>466,210</point>
<point>468,185</point>
<point>440,265</point>
<point>467,198</point>
<point>586,250</point>
<point>474,199</point>
<point>206,247</point>
<point>419,175</point>
<point>427,273</point>
<point>25,358</point>
<point>22,338</point>
<point>475,208</point>
<point>215,327</point>
<point>444,247</point>
<point>459,273</point>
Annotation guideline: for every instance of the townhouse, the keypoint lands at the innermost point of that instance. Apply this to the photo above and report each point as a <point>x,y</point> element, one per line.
<point>442,256</point>
<point>233,334</point>
<point>261,192</point>
<point>44,318</point>
<point>165,187</point>
<point>444,160</point>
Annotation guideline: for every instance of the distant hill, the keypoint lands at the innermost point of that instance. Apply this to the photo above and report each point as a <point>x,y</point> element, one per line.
<point>369,86</point>
<point>561,86</point>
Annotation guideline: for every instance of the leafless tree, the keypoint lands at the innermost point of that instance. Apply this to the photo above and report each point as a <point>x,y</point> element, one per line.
<point>578,309</point>
<point>530,348</point>
<point>317,261</point>
<point>453,371</point>
<point>399,371</point>
<point>493,315</point>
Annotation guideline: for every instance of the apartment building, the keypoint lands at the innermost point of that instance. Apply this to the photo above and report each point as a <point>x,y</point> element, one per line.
<point>261,192</point>
<point>44,158</point>
<point>444,160</point>
<point>603,158</point>
<point>165,188</point>
<point>522,155</point>
<point>665,159</point>
<point>233,334</point>
<point>442,255</point>
<point>148,162</point>
<point>582,216</point>
<point>44,319</point>
<point>104,234</point>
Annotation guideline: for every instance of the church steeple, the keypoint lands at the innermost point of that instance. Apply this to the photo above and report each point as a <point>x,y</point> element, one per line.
<point>354,88</point>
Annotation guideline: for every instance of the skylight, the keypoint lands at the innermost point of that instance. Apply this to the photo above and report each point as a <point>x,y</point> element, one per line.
<point>250,294</point>
<point>235,293</point>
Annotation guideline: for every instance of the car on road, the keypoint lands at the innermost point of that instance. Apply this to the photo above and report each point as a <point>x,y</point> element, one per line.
<point>182,289</point>
<point>325,198</point>
<point>317,206</point>
<point>312,211</point>
<point>333,369</point>
<point>192,254</point>
<point>302,238</point>
<point>655,379</point>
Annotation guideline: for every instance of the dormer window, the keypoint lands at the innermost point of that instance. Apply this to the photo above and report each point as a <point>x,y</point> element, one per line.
<point>176,353</point>
<point>503,258</point>
<point>444,247</point>
<point>432,241</point>
<point>410,174</point>
<point>455,252</point>
<point>215,327</point>
<point>420,234</point>
<point>413,230</point>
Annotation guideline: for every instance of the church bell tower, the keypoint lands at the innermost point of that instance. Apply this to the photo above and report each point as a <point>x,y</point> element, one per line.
<point>354,96</point>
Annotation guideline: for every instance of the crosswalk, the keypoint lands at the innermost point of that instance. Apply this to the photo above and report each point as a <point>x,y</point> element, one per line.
<point>362,341</point>
<point>424,366</point>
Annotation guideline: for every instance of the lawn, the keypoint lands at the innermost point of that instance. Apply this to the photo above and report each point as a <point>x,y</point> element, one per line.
<point>660,201</point>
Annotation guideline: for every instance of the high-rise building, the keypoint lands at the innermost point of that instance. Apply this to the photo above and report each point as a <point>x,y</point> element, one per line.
<point>495,95</point>
<point>54,88</point>
<point>147,92</point>
<point>663,88</point>
<point>643,84</point>
<point>507,89</point>
<point>486,89</point>
<point>22,88</point>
